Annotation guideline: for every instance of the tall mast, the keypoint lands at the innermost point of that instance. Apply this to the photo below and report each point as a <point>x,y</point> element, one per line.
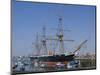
<point>37,45</point>
<point>44,48</point>
<point>60,36</point>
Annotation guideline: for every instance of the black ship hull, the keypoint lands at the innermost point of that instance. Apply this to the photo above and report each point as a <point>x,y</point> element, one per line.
<point>54,58</point>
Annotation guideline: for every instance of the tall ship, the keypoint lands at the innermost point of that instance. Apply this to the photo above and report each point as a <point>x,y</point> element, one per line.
<point>45,58</point>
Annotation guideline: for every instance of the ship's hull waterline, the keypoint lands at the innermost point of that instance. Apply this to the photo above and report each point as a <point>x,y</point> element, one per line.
<point>54,58</point>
